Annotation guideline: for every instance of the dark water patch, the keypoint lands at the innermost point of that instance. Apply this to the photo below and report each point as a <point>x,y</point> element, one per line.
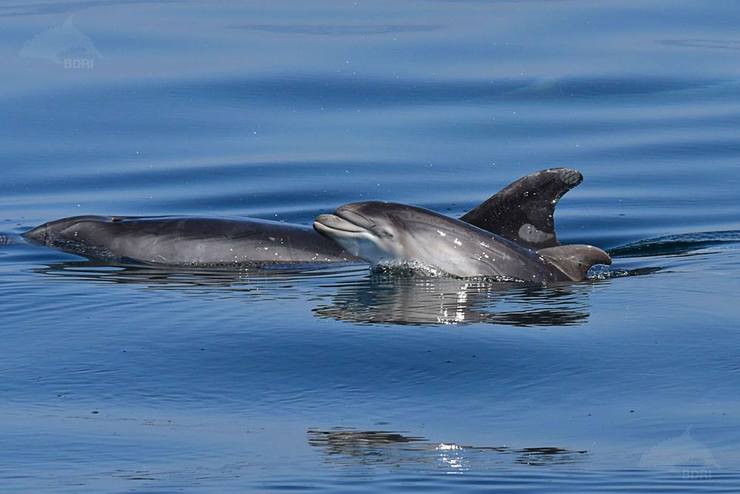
<point>320,92</point>
<point>694,148</point>
<point>340,90</point>
<point>509,480</point>
<point>338,30</point>
<point>709,44</point>
<point>553,124</point>
<point>198,176</point>
<point>46,8</point>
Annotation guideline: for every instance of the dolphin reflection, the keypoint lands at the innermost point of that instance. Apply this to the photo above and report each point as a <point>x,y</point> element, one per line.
<point>349,293</point>
<point>416,300</point>
<point>349,445</point>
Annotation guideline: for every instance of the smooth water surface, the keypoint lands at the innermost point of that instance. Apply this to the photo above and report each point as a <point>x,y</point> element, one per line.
<point>138,379</point>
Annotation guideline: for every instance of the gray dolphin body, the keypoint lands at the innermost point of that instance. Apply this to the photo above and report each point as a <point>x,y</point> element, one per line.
<point>382,232</point>
<point>522,212</point>
<point>189,242</point>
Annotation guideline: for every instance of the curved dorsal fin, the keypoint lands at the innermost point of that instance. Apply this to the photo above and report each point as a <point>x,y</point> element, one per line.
<point>523,211</point>
<point>575,260</point>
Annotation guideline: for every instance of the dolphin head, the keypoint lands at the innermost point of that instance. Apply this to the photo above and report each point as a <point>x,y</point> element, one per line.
<point>382,232</point>
<point>37,235</point>
<point>371,230</point>
<point>65,229</point>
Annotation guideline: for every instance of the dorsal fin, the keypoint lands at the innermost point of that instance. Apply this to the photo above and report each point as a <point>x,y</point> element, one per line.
<point>523,211</point>
<point>575,260</point>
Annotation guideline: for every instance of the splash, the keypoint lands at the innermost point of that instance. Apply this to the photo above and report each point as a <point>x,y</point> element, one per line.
<point>410,269</point>
<point>601,272</point>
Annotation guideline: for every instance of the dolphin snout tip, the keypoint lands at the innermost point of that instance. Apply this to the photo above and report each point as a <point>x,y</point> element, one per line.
<point>601,256</point>
<point>321,221</point>
<point>37,235</point>
<point>323,218</point>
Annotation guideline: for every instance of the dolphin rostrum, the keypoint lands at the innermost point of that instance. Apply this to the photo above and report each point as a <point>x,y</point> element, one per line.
<point>522,212</point>
<point>383,232</point>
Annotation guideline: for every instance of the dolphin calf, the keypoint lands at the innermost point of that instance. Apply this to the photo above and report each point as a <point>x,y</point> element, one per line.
<point>384,232</point>
<point>522,212</point>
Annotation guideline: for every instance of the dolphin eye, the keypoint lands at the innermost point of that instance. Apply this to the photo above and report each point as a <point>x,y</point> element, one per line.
<point>385,234</point>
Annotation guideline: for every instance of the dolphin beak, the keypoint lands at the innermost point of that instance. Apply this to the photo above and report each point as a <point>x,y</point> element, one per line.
<point>37,235</point>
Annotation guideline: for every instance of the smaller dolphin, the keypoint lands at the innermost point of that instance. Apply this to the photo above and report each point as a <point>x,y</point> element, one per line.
<point>383,232</point>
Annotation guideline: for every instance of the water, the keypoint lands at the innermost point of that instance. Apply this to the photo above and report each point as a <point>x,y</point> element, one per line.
<point>133,379</point>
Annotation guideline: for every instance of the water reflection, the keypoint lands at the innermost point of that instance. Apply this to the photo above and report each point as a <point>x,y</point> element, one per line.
<point>350,293</point>
<point>372,447</point>
<point>278,283</point>
<point>393,299</point>
<point>172,277</point>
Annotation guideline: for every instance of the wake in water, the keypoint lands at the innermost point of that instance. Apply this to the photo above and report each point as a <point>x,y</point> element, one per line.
<point>672,245</point>
<point>666,246</point>
<point>7,239</point>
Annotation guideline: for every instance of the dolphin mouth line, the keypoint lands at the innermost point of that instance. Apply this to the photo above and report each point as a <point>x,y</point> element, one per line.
<point>334,223</point>
<point>344,220</point>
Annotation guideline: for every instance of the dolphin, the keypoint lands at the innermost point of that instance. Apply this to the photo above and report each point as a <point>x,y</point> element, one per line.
<point>522,212</point>
<point>189,242</point>
<point>385,232</point>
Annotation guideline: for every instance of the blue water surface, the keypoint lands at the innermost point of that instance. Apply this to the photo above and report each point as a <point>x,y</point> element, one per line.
<point>142,379</point>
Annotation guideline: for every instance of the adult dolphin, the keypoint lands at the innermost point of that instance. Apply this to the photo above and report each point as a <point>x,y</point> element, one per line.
<point>383,232</point>
<point>522,211</point>
<point>189,241</point>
